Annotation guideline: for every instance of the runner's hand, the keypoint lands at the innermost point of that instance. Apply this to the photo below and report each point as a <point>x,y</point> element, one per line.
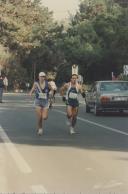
<point>64,99</point>
<point>83,94</point>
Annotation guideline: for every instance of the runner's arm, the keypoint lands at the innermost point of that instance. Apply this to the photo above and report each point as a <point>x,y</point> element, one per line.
<point>82,91</point>
<point>32,90</point>
<point>63,89</point>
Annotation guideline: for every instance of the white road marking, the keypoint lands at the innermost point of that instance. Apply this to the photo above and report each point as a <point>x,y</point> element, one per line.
<point>58,104</point>
<point>97,186</point>
<point>19,160</point>
<point>38,189</point>
<point>3,179</point>
<point>112,184</point>
<point>89,169</point>
<point>96,124</point>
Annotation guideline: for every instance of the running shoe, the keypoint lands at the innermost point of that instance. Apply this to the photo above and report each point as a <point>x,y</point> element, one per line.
<point>72,131</point>
<point>40,131</point>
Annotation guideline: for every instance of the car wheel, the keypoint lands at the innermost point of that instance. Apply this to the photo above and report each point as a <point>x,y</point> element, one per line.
<point>96,110</point>
<point>87,109</point>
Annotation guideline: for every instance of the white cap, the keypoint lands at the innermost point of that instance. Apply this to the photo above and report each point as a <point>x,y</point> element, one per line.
<point>42,74</point>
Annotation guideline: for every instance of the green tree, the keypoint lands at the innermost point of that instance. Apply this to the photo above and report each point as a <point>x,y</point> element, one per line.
<point>25,27</point>
<point>97,39</point>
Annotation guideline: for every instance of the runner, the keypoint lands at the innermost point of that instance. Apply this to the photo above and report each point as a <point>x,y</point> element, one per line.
<point>72,90</point>
<point>41,89</point>
<point>52,97</point>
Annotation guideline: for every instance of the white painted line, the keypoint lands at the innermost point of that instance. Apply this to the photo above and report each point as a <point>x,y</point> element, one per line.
<point>89,169</point>
<point>38,189</point>
<point>97,186</point>
<point>19,160</point>
<point>108,185</point>
<point>3,178</point>
<point>96,124</point>
<point>112,185</point>
<point>15,94</point>
<point>58,105</point>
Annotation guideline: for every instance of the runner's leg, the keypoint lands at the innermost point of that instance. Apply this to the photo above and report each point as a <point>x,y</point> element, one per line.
<point>74,117</point>
<point>70,119</point>
<point>69,114</point>
<point>54,95</point>
<point>1,94</point>
<point>50,100</point>
<point>39,116</point>
<point>45,113</point>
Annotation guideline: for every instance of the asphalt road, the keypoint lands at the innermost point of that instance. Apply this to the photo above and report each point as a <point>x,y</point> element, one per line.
<point>92,161</point>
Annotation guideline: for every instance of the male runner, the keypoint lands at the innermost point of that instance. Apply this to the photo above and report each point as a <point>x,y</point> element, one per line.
<point>72,90</point>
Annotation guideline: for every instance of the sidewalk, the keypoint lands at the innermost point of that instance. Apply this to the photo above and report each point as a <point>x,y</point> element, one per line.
<point>81,99</point>
<point>15,93</point>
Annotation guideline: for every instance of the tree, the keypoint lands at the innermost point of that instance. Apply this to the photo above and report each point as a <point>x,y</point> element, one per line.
<point>97,39</point>
<point>25,26</point>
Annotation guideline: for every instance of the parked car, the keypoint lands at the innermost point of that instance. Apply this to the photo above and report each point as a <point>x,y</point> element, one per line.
<point>107,96</point>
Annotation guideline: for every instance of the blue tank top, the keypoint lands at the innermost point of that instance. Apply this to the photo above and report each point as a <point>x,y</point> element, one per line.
<point>45,90</point>
<point>72,96</point>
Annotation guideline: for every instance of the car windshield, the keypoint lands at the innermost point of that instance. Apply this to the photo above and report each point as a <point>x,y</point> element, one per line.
<point>114,86</point>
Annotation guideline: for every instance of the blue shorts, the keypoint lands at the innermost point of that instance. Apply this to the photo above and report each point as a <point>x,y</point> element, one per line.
<point>72,103</point>
<point>41,103</point>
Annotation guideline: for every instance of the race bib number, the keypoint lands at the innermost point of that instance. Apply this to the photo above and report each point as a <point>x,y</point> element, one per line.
<point>42,96</point>
<point>73,95</point>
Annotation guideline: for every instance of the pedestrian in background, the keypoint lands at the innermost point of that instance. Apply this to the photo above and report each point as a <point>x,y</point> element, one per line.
<point>1,89</point>
<point>5,80</point>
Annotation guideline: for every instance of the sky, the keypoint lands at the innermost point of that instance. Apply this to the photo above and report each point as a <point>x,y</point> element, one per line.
<point>61,8</point>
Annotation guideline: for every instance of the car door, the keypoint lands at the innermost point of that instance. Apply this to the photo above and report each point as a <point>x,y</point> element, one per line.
<point>91,96</point>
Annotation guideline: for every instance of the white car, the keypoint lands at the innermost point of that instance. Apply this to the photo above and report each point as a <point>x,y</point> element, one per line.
<point>107,96</point>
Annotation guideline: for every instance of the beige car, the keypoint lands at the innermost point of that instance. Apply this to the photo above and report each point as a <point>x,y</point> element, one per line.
<point>107,96</point>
